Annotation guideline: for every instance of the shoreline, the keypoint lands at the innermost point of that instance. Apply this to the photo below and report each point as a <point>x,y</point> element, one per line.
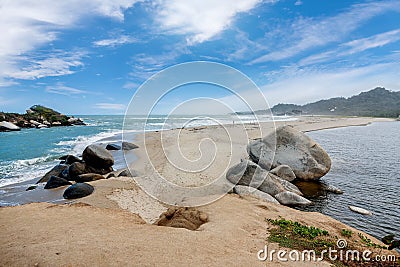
<point>118,216</point>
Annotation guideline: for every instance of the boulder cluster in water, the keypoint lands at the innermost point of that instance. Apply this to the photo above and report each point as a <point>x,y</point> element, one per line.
<point>36,117</point>
<point>275,161</point>
<point>96,164</point>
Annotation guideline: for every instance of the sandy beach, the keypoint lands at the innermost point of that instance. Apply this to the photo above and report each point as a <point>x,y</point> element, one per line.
<point>114,226</point>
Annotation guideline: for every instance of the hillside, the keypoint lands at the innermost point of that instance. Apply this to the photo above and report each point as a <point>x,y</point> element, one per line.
<point>378,102</point>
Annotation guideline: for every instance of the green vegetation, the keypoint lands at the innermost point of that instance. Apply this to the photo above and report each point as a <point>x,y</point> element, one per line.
<point>346,233</point>
<point>297,236</point>
<point>378,102</point>
<point>368,242</point>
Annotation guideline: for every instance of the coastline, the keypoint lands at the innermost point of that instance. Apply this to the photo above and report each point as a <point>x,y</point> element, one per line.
<point>123,212</point>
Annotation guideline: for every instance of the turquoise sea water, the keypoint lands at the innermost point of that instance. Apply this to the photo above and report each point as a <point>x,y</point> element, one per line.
<point>30,153</point>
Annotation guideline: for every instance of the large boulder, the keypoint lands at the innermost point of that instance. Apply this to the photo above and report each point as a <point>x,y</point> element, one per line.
<point>89,177</point>
<point>78,190</point>
<point>284,172</point>
<point>250,174</point>
<point>306,158</point>
<point>55,182</point>
<point>72,159</point>
<point>56,171</point>
<point>97,156</point>
<point>291,199</point>
<point>76,169</point>
<point>8,126</point>
<point>250,191</point>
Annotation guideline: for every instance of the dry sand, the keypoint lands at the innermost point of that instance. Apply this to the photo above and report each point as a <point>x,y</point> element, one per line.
<point>113,225</point>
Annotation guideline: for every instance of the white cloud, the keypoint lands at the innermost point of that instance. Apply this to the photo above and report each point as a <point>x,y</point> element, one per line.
<point>26,25</point>
<point>374,41</point>
<point>110,106</point>
<point>353,47</point>
<point>307,33</point>
<point>61,89</point>
<point>199,20</point>
<point>55,64</point>
<point>121,40</point>
<point>298,3</point>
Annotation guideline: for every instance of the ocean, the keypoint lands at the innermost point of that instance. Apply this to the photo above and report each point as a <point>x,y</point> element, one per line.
<point>30,153</point>
<point>365,161</point>
<point>366,166</point>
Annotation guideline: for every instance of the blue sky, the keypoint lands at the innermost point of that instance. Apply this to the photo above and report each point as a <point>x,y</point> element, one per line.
<point>89,57</point>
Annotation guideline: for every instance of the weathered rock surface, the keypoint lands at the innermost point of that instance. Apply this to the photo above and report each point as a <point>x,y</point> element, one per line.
<point>306,158</point>
<point>97,156</point>
<point>250,191</point>
<point>291,199</point>
<point>56,171</point>
<point>250,174</point>
<point>55,182</point>
<point>78,190</point>
<point>284,172</point>
<point>76,169</point>
<point>89,177</point>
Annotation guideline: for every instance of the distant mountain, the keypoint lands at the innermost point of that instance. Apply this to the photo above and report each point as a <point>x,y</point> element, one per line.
<point>378,102</point>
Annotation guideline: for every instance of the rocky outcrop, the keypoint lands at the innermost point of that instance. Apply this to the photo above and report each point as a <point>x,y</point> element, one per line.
<point>6,126</point>
<point>284,172</point>
<point>248,173</point>
<point>89,177</point>
<point>37,117</point>
<point>56,171</point>
<point>288,146</point>
<point>55,182</point>
<point>96,156</point>
<point>78,190</point>
<point>250,191</point>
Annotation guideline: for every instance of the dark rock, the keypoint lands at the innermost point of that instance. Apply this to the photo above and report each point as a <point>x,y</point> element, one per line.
<point>128,146</point>
<point>306,158</point>
<point>128,173</point>
<point>78,190</point>
<point>55,182</point>
<point>89,177</point>
<point>75,169</point>
<point>96,156</point>
<point>56,171</point>
<point>65,174</point>
<point>109,175</point>
<point>32,187</point>
<point>91,169</point>
<point>72,159</point>
<point>113,147</point>
<point>63,157</point>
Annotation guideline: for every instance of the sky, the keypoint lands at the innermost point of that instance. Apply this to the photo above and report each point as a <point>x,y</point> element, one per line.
<point>92,56</point>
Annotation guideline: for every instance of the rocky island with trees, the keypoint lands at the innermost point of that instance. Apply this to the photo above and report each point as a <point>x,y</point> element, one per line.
<point>36,116</point>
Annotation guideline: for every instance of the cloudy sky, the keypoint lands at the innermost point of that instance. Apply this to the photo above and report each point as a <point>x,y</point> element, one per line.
<point>90,56</point>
